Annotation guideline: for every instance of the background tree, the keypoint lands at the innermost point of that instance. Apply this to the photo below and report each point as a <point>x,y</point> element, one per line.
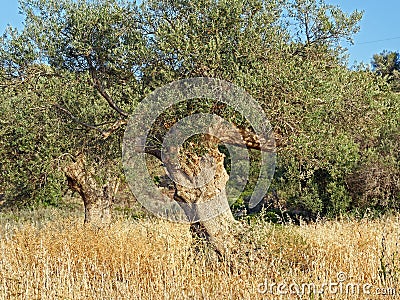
<point>93,49</point>
<point>387,65</point>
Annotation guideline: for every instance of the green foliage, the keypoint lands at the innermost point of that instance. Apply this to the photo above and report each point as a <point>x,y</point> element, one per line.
<point>321,23</point>
<point>30,146</point>
<point>387,65</point>
<point>337,130</point>
<point>330,140</point>
<point>375,182</point>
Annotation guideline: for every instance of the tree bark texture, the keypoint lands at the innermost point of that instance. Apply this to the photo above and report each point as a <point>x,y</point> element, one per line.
<point>97,199</point>
<point>216,229</point>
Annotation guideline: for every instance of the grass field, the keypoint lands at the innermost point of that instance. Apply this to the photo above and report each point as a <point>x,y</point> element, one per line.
<point>49,254</point>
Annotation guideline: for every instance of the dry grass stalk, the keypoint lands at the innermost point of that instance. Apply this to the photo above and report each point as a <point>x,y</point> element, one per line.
<point>154,259</point>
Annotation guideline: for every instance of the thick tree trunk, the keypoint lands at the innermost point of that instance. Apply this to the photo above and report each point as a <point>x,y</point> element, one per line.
<point>218,231</point>
<point>96,199</point>
<point>218,228</point>
<point>97,209</point>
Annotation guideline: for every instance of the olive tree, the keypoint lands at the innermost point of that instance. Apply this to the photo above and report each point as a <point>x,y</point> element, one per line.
<point>94,52</point>
<point>109,55</point>
<point>116,51</point>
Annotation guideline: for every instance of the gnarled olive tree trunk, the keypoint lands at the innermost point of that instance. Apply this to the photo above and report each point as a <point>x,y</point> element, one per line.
<point>97,198</point>
<point>207,203</point>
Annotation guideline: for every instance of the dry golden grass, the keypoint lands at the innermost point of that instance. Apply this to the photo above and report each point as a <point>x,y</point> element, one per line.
<point>59,258</point>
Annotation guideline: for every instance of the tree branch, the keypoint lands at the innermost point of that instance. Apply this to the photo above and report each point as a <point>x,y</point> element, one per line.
<point>99,87</point>
<point>106,96</point>
<point>114,128</point>
<point>75,119</point>
<point>105,133</point>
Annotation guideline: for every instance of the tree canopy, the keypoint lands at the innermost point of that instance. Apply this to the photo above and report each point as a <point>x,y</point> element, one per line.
<point>387,65</point>
<point>74,73</point>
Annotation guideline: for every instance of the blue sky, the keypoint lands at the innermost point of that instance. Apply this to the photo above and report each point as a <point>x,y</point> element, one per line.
<point>380,27</point>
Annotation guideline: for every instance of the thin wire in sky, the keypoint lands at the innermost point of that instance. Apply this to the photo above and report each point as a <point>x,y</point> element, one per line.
<point>377,41</point>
